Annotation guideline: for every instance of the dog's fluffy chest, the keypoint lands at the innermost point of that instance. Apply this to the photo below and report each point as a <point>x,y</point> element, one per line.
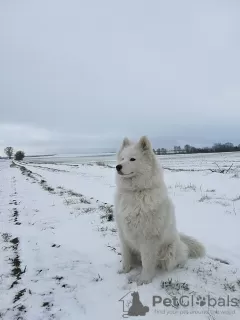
<point>138,214</point>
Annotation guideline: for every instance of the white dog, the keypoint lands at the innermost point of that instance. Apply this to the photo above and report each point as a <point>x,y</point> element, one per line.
<point>145,215</point>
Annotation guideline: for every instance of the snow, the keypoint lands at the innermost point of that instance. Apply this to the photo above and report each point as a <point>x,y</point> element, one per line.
<point>59,255</point>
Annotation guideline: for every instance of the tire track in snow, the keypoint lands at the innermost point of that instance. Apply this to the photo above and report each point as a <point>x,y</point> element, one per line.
<point>13,257</point>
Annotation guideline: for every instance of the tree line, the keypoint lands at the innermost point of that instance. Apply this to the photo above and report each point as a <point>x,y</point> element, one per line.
<point>217,147</point>
<point>18,155</point>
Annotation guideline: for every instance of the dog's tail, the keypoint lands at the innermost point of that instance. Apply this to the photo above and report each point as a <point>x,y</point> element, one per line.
<point>196,249</point>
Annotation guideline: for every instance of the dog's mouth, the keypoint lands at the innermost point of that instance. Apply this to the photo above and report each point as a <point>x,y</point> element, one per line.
<point>124,174</point>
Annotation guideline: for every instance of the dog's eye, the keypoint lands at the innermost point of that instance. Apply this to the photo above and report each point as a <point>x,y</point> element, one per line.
<point>132,159</point>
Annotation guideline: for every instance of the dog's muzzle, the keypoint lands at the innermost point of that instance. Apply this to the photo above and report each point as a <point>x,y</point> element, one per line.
<point>119,167</point>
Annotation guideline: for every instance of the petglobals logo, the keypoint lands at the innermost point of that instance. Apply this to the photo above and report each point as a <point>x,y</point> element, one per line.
<point>196,301</point>
<point>132,305</point>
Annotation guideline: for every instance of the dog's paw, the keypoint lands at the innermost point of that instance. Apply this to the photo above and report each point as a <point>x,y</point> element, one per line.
<point>144,279</point>
<point>141,281</point>
<point>125,269</point>
<point>133,278</point>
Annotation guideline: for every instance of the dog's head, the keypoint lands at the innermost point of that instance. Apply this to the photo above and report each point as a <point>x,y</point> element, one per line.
<point>134,158</point>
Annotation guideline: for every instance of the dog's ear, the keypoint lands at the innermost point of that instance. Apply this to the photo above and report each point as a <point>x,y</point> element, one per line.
<point>144,144</point>
<point>126,142</point>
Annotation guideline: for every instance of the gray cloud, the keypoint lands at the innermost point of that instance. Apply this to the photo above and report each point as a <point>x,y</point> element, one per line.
<point>83,74</point>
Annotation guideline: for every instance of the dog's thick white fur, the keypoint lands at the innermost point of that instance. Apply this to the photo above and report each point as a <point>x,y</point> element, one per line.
<point>145,215</point>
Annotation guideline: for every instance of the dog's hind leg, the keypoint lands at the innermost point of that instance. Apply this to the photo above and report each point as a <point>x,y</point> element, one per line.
<point>174,254</point>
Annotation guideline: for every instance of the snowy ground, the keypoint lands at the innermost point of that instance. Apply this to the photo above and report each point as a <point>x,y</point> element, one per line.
<point>59,250</point>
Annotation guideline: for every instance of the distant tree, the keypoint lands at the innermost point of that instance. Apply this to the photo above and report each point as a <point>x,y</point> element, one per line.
<point>187,148</point>
<point>19,155</point>
<point>217,147</point>
<point>177,149</point>
<point>9,152</point>
<point>223,147</point>
<point>229,146</point>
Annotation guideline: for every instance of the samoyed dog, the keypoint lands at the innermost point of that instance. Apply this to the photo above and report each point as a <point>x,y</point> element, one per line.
<point>145,215</point>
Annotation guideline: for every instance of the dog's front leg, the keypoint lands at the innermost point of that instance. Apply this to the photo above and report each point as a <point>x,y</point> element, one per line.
<point>149,262</point>
<point>126,255</point>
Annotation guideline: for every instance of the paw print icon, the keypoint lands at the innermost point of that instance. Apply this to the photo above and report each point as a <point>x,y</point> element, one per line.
<point>201,301</point>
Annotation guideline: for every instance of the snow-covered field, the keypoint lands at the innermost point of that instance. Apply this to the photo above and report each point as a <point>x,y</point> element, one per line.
<point>59,250</point>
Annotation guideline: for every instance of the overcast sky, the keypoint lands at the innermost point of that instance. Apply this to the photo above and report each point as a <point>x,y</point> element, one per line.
<point>77,74</point>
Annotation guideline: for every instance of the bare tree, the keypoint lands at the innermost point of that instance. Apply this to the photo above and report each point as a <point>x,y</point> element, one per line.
<point>9,152</point>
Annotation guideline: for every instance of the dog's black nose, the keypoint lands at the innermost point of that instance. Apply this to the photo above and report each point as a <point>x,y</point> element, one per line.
<point>119,167</point>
